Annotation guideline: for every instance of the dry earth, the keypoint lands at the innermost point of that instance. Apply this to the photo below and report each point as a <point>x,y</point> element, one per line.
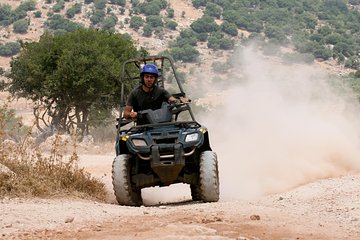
<point>325,209</point>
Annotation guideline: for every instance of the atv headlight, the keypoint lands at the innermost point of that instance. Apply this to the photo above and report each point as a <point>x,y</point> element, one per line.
<point>191,137</point>
<point>138,142</point>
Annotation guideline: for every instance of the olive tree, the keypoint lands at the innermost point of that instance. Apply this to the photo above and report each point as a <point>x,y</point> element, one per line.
<point>73,78</point>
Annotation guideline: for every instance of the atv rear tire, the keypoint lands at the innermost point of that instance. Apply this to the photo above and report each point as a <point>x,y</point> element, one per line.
<point>209,177</point>
<point>121,173</point>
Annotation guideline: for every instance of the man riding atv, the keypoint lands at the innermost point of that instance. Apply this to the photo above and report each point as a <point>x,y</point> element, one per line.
<point>163,146</point>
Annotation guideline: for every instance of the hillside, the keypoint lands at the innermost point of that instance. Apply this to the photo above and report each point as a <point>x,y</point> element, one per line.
<point>186,12</point>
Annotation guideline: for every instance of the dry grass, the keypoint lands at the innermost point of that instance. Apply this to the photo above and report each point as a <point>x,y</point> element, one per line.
<point>37,174</point>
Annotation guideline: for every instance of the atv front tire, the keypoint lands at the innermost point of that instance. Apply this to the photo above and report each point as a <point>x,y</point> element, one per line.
<point>121,173</point>
<point>209,177</point>
<point>195,192</point>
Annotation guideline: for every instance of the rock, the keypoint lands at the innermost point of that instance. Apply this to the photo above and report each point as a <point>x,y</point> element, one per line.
<point>255,217</point>
<point>69,220</point>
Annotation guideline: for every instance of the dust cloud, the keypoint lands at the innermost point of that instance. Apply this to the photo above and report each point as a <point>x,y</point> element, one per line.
<point>281,126</point>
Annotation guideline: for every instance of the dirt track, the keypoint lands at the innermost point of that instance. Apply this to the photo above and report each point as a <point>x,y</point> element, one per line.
<point>325,209</point>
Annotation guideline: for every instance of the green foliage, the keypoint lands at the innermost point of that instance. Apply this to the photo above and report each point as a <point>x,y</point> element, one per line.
<point>136,22</point>
<point>204,24</point>
<point>152,7</point>
<point>21,26</point>
<point>148,29</point>
<point>186,53</point>
<point>28,5</point>
<point>37,14</point>
<point>100,4</point>
<point>171,25</point>
<point>118,2</point>
<point>109,23</point>
<point>229,28</point>
<point>322,52</point>
<point>60,5</point>
<point>8,16</point>
<point>352,63</point>
<point>69,73</point>
<point>155,21</point>
<point>9,49</point>
<point>199,3</point>
<point>57,22</point>
<point>213,10</point>
<point>97,17</point>
<point>75,9</point>
<point>217,40</point>
<point>170,12</point>
<point>186,37</point>
<point>202,37</point>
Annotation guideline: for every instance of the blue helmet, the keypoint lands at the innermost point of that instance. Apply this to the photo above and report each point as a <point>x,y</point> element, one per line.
<point>151,69</point>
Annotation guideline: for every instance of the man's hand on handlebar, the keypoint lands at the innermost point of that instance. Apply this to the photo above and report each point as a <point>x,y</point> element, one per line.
<point>133,115</point>
<point>172,99</point>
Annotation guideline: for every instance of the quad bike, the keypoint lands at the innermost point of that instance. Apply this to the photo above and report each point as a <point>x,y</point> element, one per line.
<point>171,148</point>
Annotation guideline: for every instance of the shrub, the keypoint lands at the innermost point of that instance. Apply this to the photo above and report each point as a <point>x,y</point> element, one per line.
<point>155,21</point>
<point>147,30</point>
<point>21,26</point>
<point>109,23</point>
<point>9,49</point>
<point>118,2</point>
<point>97,17</point>
<point>171,25</point>
<point>59,6</point>
<point>136,22</point>
<point>57,22</point>
<point>37,14</point>
<point>100,4</point>
<point>170,12</point>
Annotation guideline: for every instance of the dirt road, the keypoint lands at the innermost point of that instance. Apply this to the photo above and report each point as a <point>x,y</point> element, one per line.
<point>324,209</point>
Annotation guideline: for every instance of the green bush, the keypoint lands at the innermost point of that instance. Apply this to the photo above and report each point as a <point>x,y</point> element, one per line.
<point>213,10</point>
<point>109,23</point>
<point>170,12</point>
<point>97,17</point>
<point>186,53</point>
<point>100,4</point>
<point>58,6</point>
<point>148,29</point>
<point>37,14</point>
<point>171,25</point>
<point>9,49</point>
<point>118,2</point>
<point>21,26</point>
<point>155,21</point>
<point>27,5</point>
<point>136,22</point>
<point>57,22</point>
<point>75,9</point>
<point>229,28</point>
<point>204,24</point>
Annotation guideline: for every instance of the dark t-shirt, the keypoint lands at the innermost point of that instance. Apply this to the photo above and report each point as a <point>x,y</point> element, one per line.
<point>141,100</point>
